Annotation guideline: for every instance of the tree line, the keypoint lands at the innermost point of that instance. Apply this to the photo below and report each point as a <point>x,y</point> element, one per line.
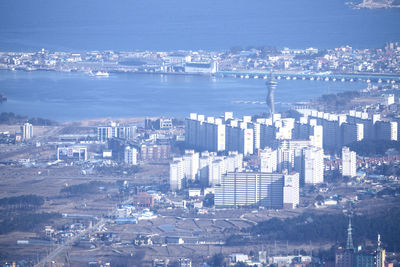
<point>85,188</point>
<point>26,221</point>
<point>24,202</point>
<point>326,228</point>
<point>11,119</point>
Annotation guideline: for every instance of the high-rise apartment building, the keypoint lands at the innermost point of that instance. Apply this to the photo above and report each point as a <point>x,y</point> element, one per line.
<point>114,130</point>
<point>27,131</point>
<point>130,155</point>
<point>257,189</point>
<point>176,174</point>
<point>313,163</point>
<point>268,160</point>
<point>349,162</point>
<point>352,132</point>
<point>386,130</point>
<point>205,134</point>
<point>191,162</point>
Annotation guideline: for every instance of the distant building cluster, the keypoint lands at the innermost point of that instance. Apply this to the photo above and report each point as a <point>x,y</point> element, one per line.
<point>342,129</point>
<point>207,168</point>
<point>114,130</point>
<point>290,154</point>
<point>72,153</point>
<point>345,59</point>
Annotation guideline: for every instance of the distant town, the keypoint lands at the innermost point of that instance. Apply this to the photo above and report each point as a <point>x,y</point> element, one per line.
<point>315,185</point>
<point>375,4</point>
<point>342,64</point>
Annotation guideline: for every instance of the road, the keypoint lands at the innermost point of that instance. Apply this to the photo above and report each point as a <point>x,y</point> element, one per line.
<point>54,253</point>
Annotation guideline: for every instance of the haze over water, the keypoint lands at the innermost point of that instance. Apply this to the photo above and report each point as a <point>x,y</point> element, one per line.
<point>186,24</point>
<point>171,25</point>
<point>76,96</point>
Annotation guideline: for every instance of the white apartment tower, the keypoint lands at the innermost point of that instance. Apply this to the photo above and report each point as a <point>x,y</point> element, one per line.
<point>349,162</point>
<point>291,191</point>
<point>176,174</point>
<point>130,155</point>
<point>313,165</point>
<point>27,131</point>
<point>191,163</point>
<point>268,160</point>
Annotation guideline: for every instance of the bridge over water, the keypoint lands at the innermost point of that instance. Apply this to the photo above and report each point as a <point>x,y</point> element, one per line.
<point>325,76</point>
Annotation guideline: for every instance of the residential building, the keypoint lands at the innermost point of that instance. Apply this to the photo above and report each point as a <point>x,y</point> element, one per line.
<point>27,131</point>
<point>255,189</point>
<point>268,160</point>
<point>130,156</point>
<point>349,162</point>
<point>313,163</point>
<point>176,174</point>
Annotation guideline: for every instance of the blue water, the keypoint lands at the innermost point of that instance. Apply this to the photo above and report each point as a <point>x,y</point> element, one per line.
<point>127,25</point>
<point>76,96</point>
<point>187,24</point>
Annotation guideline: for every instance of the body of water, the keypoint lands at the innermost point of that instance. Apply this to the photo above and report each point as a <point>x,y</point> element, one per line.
<point>76,96</point>
<point>127,25</point>
<point>161,25</point>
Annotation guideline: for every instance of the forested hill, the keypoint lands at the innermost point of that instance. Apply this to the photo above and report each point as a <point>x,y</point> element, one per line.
<point>329,227</point>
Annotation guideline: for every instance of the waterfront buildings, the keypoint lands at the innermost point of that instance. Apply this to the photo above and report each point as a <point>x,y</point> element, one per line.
<point>115,130</point>
<point>201,67</point>
<point>243,135</point>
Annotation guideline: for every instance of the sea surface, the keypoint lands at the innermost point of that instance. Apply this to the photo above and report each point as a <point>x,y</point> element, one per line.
<point>76,96</point>
<point>165,25</point>
<point>161,25</point>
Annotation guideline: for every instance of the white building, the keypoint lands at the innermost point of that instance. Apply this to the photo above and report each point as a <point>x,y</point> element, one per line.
<point>256,189</point>
<point>313,165</point>
<point>212,167</point>
<point>215,171</point>
<point>205,134</point>
<point>191,163</point>
<point>291,191</point>
<point>349,162</point>
<point>268,160</point>
<point>27,131</point>
<point>115,130</point>
<point>387,99</point>
<point>201,67</point>
<point>176,174</point>
<point>130,155</point>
